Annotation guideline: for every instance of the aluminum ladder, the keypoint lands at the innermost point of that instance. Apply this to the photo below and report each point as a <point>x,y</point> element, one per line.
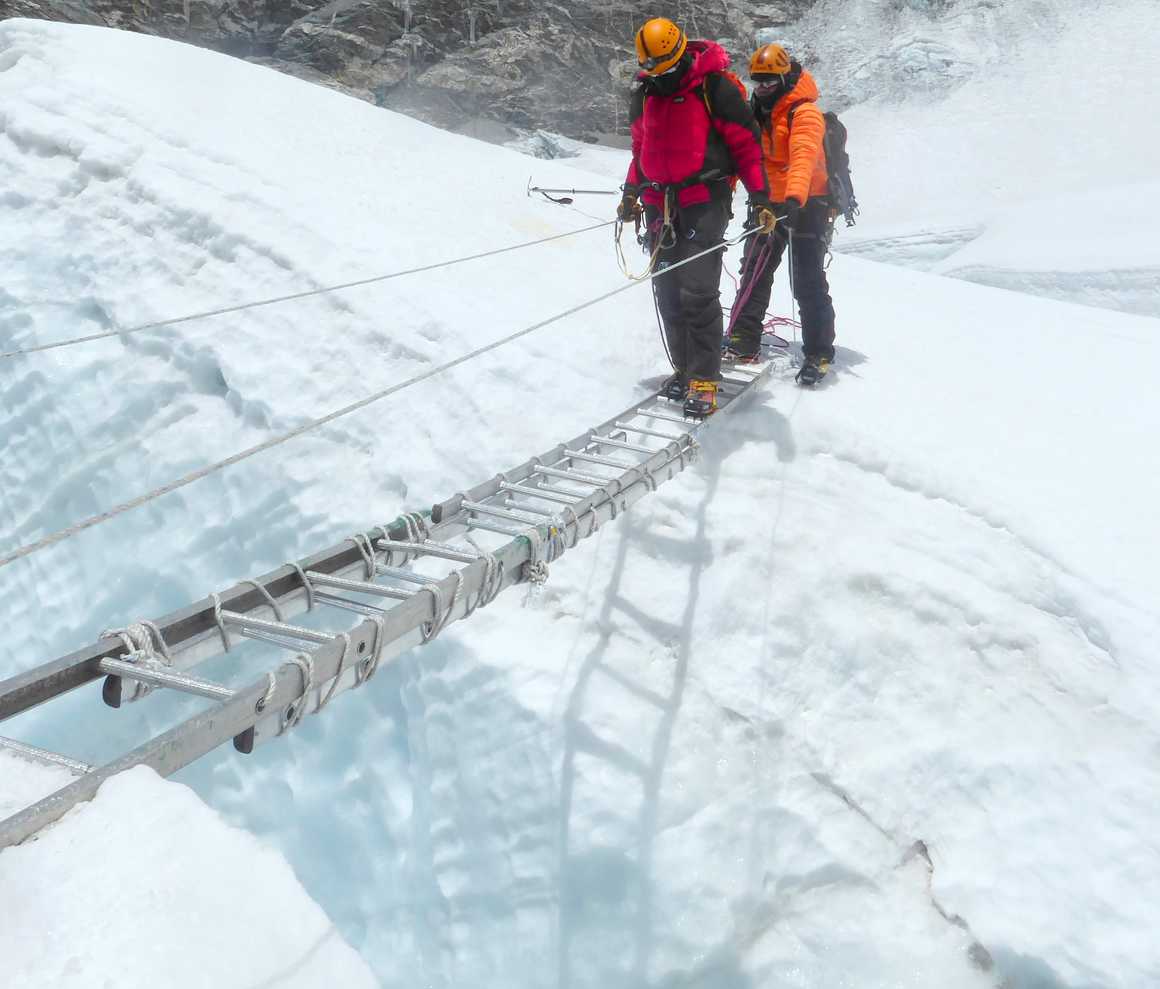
<point>407,581</point>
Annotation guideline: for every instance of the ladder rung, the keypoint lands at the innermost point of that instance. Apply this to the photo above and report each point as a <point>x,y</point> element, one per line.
<point>592,458</point>
<point>264,628</point>
<point>38,754</point>
<point>429,549</point>
<point>359,586</point>
<point>519,507</point>
<point>498,513</point>
<point>346,604</point>
<point>622,445</point>
<point>503,530</point>
<point>164,678</point>
<point>277,640</point>
<point>544,493</point>
<point>666,416</point>
<point>659,434</point>
<point>571,475</point>
<point>408,575</point>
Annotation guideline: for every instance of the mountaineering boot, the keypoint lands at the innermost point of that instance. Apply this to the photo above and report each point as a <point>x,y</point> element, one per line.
<point>674,388</point>
<point>813,370</point>
<point>702,399</point>
<point>735,350</point>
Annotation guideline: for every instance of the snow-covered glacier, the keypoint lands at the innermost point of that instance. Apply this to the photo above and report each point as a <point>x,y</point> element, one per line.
<point>864,699</point>
<point>1036,173</point>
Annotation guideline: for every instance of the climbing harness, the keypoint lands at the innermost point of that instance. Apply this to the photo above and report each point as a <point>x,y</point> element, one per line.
<point>657,237</point>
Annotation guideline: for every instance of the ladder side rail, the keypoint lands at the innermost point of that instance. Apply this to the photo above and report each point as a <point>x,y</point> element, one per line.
<point>191,633</point>
<point>445,510</point>
<point>343,561</point>
<point>166,754</point>
<point>236,718</point>
<point>401,623</point>
<point>250,714</point>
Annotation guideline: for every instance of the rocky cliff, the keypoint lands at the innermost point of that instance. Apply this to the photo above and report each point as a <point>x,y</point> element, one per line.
<point>463,64</point>
<point>491,67</point>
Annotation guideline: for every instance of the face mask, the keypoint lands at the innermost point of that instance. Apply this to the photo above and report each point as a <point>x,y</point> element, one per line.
<point>667,83</point>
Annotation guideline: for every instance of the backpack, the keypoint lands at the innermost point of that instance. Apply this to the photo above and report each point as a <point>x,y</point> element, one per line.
<point>842,196</point>
<point>734,78</point>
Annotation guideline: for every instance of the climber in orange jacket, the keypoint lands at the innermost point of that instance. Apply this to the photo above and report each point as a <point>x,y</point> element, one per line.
<point>792,133</point>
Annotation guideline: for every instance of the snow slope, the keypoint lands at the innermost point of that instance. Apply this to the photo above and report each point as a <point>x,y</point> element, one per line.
<point>1036,174</point>
<point>865,699</point>
<point>176,898</point>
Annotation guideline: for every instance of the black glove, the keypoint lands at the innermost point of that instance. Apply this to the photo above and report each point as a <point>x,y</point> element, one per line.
<point>787,213</point>
<point>629,208</point>
<point>761,214</point>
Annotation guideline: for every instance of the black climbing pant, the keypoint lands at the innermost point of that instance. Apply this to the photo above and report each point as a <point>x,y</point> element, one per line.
<point>811,289</point>
<point>690,297</point>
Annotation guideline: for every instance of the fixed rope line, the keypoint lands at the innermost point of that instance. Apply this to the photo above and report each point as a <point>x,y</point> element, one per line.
<point>160,324</point>
<point>362,403</point>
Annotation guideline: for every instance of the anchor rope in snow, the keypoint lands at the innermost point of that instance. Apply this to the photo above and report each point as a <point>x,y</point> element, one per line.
<point>313,424</point>
<point>225,310</point>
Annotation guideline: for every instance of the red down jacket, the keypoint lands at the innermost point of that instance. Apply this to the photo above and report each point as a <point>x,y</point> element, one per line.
<point>675,138</point>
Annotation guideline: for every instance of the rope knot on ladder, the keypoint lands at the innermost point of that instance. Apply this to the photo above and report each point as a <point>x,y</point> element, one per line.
<point>536,571</point>
<point>489,586</point>
<point>441,609</point>
<point>144,645</point>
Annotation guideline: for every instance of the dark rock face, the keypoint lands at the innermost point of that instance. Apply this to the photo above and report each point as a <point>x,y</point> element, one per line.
<point>561,66</point>
<point>489,67</point>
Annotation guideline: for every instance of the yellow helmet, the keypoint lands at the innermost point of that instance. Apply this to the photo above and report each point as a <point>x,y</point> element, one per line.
<point>772,60</point>
<point>660,45</point>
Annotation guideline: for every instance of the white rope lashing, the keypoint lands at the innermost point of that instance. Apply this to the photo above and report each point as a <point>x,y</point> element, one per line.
<point>143,643</point>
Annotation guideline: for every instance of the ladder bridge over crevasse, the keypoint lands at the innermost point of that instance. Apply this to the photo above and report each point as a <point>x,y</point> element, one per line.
<point>406,580</point>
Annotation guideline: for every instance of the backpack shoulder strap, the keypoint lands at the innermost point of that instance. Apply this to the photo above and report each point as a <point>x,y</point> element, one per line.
<point>792,110</point>
<point>726,77</point>
<point>709,77</point>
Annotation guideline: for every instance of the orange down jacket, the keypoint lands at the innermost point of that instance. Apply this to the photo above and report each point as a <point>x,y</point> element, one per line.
<point>795,159</point>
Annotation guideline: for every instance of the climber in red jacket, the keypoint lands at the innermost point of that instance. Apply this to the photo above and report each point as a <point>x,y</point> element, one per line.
<point>693,135</point>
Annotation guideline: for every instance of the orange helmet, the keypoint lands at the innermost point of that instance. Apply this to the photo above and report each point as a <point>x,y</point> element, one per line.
<point>660,45</point>
<point>772,60</point>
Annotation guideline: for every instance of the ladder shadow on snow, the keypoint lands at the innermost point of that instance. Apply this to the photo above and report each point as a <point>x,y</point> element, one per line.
<point>606,907</point>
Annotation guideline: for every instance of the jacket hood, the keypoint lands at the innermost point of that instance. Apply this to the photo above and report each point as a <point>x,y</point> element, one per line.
<point>806,89</point>
<point>708,56</point>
